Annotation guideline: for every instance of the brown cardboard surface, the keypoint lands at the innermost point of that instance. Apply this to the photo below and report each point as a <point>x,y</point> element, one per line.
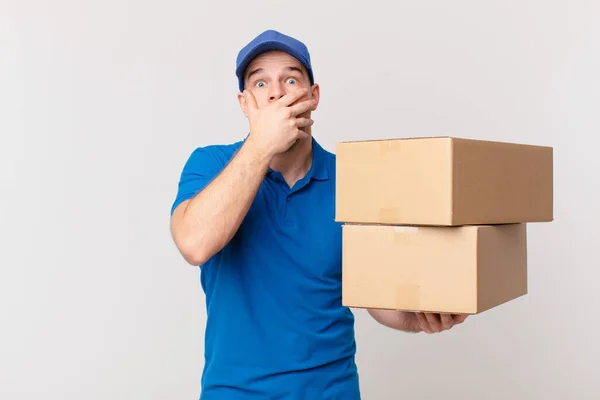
<point>443,181</point>
<point>460,270</point>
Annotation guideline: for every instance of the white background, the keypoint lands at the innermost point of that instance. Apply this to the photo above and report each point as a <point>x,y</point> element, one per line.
<point>101,102</point>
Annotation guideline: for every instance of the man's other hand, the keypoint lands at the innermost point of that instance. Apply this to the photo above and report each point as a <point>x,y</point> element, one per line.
<point>433,322</point>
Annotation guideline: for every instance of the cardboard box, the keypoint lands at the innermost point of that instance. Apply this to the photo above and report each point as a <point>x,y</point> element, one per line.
<point>443,181</point>
<point>459,270</point>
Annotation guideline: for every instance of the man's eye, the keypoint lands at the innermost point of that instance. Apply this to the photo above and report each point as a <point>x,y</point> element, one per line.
<point>260,84</point>
<point>291,81</point>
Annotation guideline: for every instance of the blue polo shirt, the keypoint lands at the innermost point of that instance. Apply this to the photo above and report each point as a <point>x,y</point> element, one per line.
<point>276,327</point>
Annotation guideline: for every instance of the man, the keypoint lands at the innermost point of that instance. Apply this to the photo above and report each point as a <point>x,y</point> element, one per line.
<point>257,216</point>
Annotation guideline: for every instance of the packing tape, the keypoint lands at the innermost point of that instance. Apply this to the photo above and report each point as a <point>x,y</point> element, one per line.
<point>400,229</point>
<point>390,214</point>
<point>408,296</point>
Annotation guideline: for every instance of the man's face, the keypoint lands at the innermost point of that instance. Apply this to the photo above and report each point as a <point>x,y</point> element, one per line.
<point>273,74</point>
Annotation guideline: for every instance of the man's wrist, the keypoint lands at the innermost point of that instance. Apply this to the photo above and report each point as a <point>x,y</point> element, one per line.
<point>258,154</point>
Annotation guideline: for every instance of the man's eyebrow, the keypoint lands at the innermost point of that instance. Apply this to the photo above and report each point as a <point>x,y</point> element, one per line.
<point>254,72</point>
<point>294,68</point>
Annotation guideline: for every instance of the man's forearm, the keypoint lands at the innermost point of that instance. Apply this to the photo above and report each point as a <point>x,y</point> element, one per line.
<point>207,222</point>
<point>394,319</point>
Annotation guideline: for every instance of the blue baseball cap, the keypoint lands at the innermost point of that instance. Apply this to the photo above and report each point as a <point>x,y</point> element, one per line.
<point>267,41</point>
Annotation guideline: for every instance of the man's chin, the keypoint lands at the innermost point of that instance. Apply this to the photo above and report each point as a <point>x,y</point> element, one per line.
<point>293,146</point>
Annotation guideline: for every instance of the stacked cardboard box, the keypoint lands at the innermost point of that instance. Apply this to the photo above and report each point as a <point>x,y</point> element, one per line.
<point>439,224</point>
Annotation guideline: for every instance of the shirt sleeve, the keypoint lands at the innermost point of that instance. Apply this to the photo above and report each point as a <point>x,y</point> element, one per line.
<point>200,169</point>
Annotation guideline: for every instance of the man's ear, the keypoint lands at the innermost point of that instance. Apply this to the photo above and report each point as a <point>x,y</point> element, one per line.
<point>243,104</point>
<point>316,93</point>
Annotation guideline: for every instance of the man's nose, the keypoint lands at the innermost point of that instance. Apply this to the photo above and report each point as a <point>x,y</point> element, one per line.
<point>277,92</point>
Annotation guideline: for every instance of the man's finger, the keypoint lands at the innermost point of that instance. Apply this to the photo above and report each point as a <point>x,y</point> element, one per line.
<point>302,135</point>
<point>423,323</point>
<point>292,96</point>
<point>434,321</point>
<point>459,319</point>
<point>250,100</point>
<point>303,107</point>
<point>303,122</point>
<point>447,321</point>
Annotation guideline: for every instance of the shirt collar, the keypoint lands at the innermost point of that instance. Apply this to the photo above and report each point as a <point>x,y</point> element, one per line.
<point>319,169</point>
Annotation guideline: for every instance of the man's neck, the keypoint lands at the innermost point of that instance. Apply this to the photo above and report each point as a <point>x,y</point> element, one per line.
<point>295,163</point>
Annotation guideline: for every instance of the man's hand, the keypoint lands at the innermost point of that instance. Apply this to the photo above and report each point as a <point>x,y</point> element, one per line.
<point>416,321</point>
<point>276,127</point>
<point>431,322</point>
